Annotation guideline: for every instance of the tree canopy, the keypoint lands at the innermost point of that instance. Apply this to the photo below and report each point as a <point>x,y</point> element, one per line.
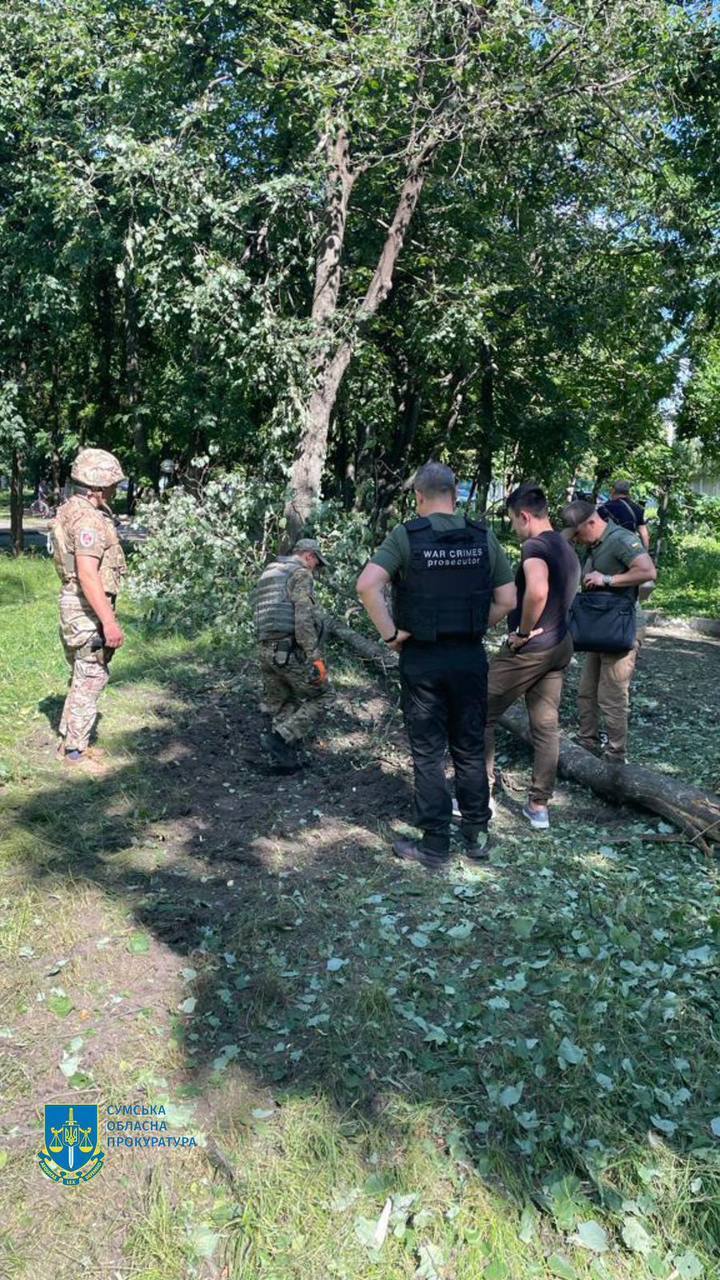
<point>333,239</point>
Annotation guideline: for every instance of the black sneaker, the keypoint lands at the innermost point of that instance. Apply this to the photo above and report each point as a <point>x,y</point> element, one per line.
<point>473,844</point>
<point>409,851</point>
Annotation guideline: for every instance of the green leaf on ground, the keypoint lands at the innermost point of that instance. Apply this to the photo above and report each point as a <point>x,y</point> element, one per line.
<point>497,1270</point>
<point>80,1080</point>
<point>689,1266</point>
<point>431,1259</point>
<point>592,1236</point>
<point>61,1005</point>
<point>528,1224</point>
<point>138,944</point>
<point>205,1241</point>
<point>569,1054</point>
<point>636,1237</point>
<point>558,1265</point>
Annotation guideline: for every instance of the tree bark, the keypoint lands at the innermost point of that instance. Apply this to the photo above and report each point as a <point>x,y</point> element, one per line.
<point>484,458</point>
<point>306,476</point>
<point>663,523</point>
<point>393,466</point>
<point>694,811</point>
<point>132,388</point>
<point>16,502</point>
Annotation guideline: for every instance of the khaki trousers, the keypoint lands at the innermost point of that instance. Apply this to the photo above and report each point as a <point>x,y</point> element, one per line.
<point>605,687</point>
<point>78,627</point>
<point>538,677</point>
<point>288,696</point>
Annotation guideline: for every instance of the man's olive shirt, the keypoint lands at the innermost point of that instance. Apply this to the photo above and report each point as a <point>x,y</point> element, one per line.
<point>614,553</point>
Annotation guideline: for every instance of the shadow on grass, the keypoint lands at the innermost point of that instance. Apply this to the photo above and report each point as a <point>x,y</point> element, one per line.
<point>286,875</point>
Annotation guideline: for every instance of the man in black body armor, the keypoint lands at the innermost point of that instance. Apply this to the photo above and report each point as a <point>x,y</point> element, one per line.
<point>451,580</point>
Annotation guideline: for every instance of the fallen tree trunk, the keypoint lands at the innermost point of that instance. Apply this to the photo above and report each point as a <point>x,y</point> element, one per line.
<point>694,811</point>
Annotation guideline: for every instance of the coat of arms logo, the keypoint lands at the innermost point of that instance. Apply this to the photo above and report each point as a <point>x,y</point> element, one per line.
<point>71,1152</point>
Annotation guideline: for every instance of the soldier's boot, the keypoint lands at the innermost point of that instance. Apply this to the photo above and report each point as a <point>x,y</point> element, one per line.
<point>298,754</point>
<point>281,755</point>
<point>83,762</point>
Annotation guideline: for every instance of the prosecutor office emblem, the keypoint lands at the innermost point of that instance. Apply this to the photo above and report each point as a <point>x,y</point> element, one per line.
<point>71,1152</point>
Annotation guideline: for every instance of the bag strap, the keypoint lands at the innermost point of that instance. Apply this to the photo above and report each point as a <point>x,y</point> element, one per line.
<point>633,517</point>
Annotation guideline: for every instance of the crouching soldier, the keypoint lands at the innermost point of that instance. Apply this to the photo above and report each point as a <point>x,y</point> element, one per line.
<point>91,565</point>
<point>289,629</point>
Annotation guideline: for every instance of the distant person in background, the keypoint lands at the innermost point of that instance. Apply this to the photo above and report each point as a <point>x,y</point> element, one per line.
<point>631,516</point>
<point>538,649</point>
<point>623,511</point>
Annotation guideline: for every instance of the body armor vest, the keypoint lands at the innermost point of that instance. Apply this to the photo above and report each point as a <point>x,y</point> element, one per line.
<point>274,611</point>
<point>447,587</point>
<point>112,566</point>
<point>63,558</point>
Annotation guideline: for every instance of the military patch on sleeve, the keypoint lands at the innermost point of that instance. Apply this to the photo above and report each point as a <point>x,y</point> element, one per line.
<point>86,538</point>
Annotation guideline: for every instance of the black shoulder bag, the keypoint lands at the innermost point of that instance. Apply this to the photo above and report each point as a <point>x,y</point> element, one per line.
<point>603,621</point>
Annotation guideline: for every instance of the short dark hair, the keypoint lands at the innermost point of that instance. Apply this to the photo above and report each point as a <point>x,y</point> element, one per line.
<point>577,512</point>
<point>621,486</point>
<point>527,497</point>
<point>435,480</point>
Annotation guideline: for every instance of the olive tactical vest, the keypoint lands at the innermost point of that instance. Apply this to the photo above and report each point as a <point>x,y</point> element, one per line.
<point>274,611</point>
<point>447,587</point>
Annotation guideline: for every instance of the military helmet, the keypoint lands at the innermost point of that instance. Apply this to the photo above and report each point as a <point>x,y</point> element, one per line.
<point>96,468</point>
<point>309,544</point>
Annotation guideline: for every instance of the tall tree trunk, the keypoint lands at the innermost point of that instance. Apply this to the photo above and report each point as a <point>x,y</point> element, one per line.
<point>16,502</point>
<point>394,465</point>
<point>309,465</point>
<point>132,394</point>
<point>663,524</point>
<point>106,387</point>
<point>484,457</point>
<point>306,476</point>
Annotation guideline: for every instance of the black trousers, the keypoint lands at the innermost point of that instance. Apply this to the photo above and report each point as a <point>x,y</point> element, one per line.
<point>444,703</point>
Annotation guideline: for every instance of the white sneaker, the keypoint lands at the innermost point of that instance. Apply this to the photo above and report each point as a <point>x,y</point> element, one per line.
<point>457,816</point>
<point>539,819</point>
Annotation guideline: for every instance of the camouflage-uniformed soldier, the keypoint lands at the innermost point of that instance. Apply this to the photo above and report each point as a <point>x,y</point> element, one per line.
<point>289,628</point>
<point>90,562</point>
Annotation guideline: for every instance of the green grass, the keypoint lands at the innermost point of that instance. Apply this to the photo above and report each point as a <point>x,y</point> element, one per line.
<point>506,1054</point>
<point>28,497</point>
<point>688,585</point>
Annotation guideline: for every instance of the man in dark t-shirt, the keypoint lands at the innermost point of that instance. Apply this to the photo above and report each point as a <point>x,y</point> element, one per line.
<point>538,648</point>
<point>623,511</point>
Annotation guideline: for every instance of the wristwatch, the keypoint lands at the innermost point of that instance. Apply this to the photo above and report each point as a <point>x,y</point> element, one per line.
<point>607,579</point>
<point>522,635</point>
<point>390,639</point>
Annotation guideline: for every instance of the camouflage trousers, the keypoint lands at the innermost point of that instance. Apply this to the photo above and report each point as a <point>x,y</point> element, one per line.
<point>287,694</point>
<point>89,673</point>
